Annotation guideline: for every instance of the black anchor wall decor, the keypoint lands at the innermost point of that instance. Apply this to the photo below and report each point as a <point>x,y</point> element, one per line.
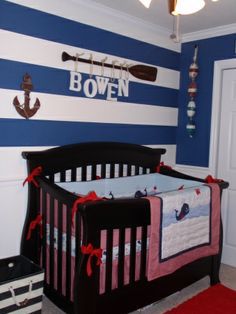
<point>24,109</point>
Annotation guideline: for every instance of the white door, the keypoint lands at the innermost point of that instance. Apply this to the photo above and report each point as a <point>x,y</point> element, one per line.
<point>226,168</point>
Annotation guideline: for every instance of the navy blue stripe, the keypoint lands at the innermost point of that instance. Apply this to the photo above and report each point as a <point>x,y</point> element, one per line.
<point>25,289</point>
<point>57,81</point>
<point>19,132</point>
<point>14,307</point>
<point>39,24</point>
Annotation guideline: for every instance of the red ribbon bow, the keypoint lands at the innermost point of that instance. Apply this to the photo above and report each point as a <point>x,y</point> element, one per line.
<point>34,223</point>
<point>31,177</point>
<point>162,165</point>
<point>210,179</point>
<point>91,196</point>
<point>89,250</point>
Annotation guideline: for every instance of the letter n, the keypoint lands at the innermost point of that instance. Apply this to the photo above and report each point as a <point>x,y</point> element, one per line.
<point>123,88</point>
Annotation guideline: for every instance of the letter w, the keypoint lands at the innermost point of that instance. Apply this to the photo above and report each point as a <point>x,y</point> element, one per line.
<point>102,84</point>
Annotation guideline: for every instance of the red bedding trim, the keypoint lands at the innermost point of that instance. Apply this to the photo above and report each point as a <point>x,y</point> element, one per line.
<point>31,177</point>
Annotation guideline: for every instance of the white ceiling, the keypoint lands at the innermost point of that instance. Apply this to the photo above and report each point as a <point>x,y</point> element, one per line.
<point>214,14</point>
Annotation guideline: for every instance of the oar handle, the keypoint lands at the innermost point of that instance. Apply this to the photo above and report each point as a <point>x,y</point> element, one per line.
<point>65,57</point>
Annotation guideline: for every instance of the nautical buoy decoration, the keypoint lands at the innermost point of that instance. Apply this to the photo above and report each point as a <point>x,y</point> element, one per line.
<point>192,91</point>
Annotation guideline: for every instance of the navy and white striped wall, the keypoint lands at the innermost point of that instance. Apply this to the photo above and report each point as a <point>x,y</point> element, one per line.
<point>33,43</point>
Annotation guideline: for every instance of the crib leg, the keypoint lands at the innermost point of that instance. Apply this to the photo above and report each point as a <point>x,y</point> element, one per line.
<point>216,260</point>
<point>214,276</point>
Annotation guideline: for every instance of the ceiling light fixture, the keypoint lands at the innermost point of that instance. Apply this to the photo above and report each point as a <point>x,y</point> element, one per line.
<point>185,7</point>
<point>182,7</point>
<point>177,8</point>
<point>146,3</point>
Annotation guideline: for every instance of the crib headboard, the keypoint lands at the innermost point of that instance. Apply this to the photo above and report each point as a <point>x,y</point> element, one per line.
<point>86,161</point>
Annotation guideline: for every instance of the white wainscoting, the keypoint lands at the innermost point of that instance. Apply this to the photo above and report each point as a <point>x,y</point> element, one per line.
<point>12,212</point>
<point>199,172</point>
<point>13,197</point>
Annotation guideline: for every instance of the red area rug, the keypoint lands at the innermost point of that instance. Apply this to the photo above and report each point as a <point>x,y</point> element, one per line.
<point>217,299</point>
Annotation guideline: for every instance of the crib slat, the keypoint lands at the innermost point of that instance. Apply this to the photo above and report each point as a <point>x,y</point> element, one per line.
<point>143,253</point>
<point>68,252</point>
<point>94,172</point>
<point>62,176</point>
<point>144,170</point>
<point>121,170</point>
<point>112,171</point>
<point>51,178</point>
<point>132,254</point>
<point>109,245</point>
<point>59,248</point>
<point>73,174</point>
<point>121,257</point>
<point>84,173</point>
<point>103,170</point>
<point>44,240</point>
<point>51,241</point>
<point>129,170</point>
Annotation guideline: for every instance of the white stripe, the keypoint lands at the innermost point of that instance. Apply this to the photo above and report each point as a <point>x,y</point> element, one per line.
<point>21,282</point>
<point>98,15</point>
<point>29,309</point>
<point>68,108</point>
<point>20,298</point>
<point>47,53</point>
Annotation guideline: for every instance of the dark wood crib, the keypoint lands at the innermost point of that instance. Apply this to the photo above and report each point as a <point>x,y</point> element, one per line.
<point>83,162</point>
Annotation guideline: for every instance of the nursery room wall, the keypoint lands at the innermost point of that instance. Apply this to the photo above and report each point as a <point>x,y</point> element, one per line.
<point>195,151</point>
<point>76,102</point>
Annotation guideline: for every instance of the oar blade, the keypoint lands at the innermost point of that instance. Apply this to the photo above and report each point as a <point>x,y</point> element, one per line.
<point>144,72</point>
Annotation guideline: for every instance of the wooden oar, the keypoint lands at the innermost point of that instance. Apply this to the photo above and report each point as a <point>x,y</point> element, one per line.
<point>142,72</point>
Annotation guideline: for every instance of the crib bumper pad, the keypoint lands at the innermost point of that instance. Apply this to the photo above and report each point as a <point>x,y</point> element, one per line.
<point>184,227</point>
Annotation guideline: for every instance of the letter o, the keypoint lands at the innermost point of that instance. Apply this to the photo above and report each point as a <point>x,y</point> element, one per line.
<point>90,84</point>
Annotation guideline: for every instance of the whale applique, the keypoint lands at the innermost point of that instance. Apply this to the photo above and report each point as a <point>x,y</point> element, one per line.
<point>183,212</point>
<point>139,193</point>
<point>111,195</point>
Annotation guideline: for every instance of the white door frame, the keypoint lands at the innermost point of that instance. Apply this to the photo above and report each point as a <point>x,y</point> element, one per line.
<point>219,67</point>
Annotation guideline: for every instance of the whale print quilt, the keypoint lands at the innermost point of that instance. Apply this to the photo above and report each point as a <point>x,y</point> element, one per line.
<point>185,226</point>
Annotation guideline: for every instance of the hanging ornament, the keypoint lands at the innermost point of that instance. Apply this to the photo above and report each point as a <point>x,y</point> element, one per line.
<point>191,127</point>
<point>193,69</point>
<point>192,91</point>
<point>191,109</point>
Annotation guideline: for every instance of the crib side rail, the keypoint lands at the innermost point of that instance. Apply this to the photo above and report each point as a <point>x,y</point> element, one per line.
<point>59,241</point>
<point>114,217</point>
<point>176,174</point>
